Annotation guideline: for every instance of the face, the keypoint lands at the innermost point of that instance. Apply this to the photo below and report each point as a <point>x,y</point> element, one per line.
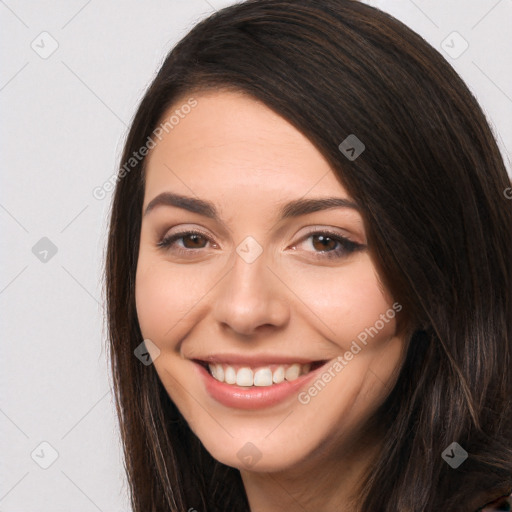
<point>276,338</point>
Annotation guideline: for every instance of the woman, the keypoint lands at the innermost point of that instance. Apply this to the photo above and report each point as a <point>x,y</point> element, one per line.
<point>310,234</point>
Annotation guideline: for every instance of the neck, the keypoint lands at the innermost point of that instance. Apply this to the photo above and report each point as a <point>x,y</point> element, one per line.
<point>328,480</point>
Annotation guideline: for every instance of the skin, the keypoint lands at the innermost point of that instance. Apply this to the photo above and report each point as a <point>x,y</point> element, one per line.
<point>292,300</point>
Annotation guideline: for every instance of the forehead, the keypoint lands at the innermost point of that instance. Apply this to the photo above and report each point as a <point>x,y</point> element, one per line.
<point>230,143</point>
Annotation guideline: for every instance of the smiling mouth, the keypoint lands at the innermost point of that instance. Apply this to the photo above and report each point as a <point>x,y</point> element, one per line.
<point>258,376</point>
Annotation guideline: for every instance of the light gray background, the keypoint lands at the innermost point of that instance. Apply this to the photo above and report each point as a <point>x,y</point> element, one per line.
<point>64,119</point>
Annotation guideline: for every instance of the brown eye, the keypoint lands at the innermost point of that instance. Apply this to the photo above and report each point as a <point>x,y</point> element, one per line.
<point>196,241</point>
<point>324,243</point>
<point>185,240</point>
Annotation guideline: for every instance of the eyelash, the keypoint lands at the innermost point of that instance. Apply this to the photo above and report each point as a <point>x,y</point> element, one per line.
<point>345,245</point>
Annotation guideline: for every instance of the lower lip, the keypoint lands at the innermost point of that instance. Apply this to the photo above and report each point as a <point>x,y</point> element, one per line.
<point>254,397</point>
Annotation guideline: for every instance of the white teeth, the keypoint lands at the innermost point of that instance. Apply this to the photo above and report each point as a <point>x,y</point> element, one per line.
<point>262,377</point>
<point>230,375</point>
<point>244,377</point>
<point>278,375</point>
<point>292,372</point>
<point>220,373</point>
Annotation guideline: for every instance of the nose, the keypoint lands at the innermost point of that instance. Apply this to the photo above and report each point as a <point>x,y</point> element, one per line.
<point>251,298</point>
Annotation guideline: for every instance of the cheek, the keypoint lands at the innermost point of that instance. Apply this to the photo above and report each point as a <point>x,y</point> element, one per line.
<point>166,296</point>
<point>348,301</point>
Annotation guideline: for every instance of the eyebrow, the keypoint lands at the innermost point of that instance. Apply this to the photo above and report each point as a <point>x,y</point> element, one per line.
<point>294,208</point>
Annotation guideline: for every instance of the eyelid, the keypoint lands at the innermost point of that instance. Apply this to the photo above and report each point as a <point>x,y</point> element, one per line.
<point>342,233</point>
<point>184,230</point>
<point>344,240</point>
<point>311,230</point>
<point>169,239</point>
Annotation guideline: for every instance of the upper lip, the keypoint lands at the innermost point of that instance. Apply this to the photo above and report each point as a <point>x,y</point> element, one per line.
<point>254,360</point>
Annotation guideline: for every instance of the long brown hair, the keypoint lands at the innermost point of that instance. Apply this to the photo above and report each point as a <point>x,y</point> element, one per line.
<point>431,185</point>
